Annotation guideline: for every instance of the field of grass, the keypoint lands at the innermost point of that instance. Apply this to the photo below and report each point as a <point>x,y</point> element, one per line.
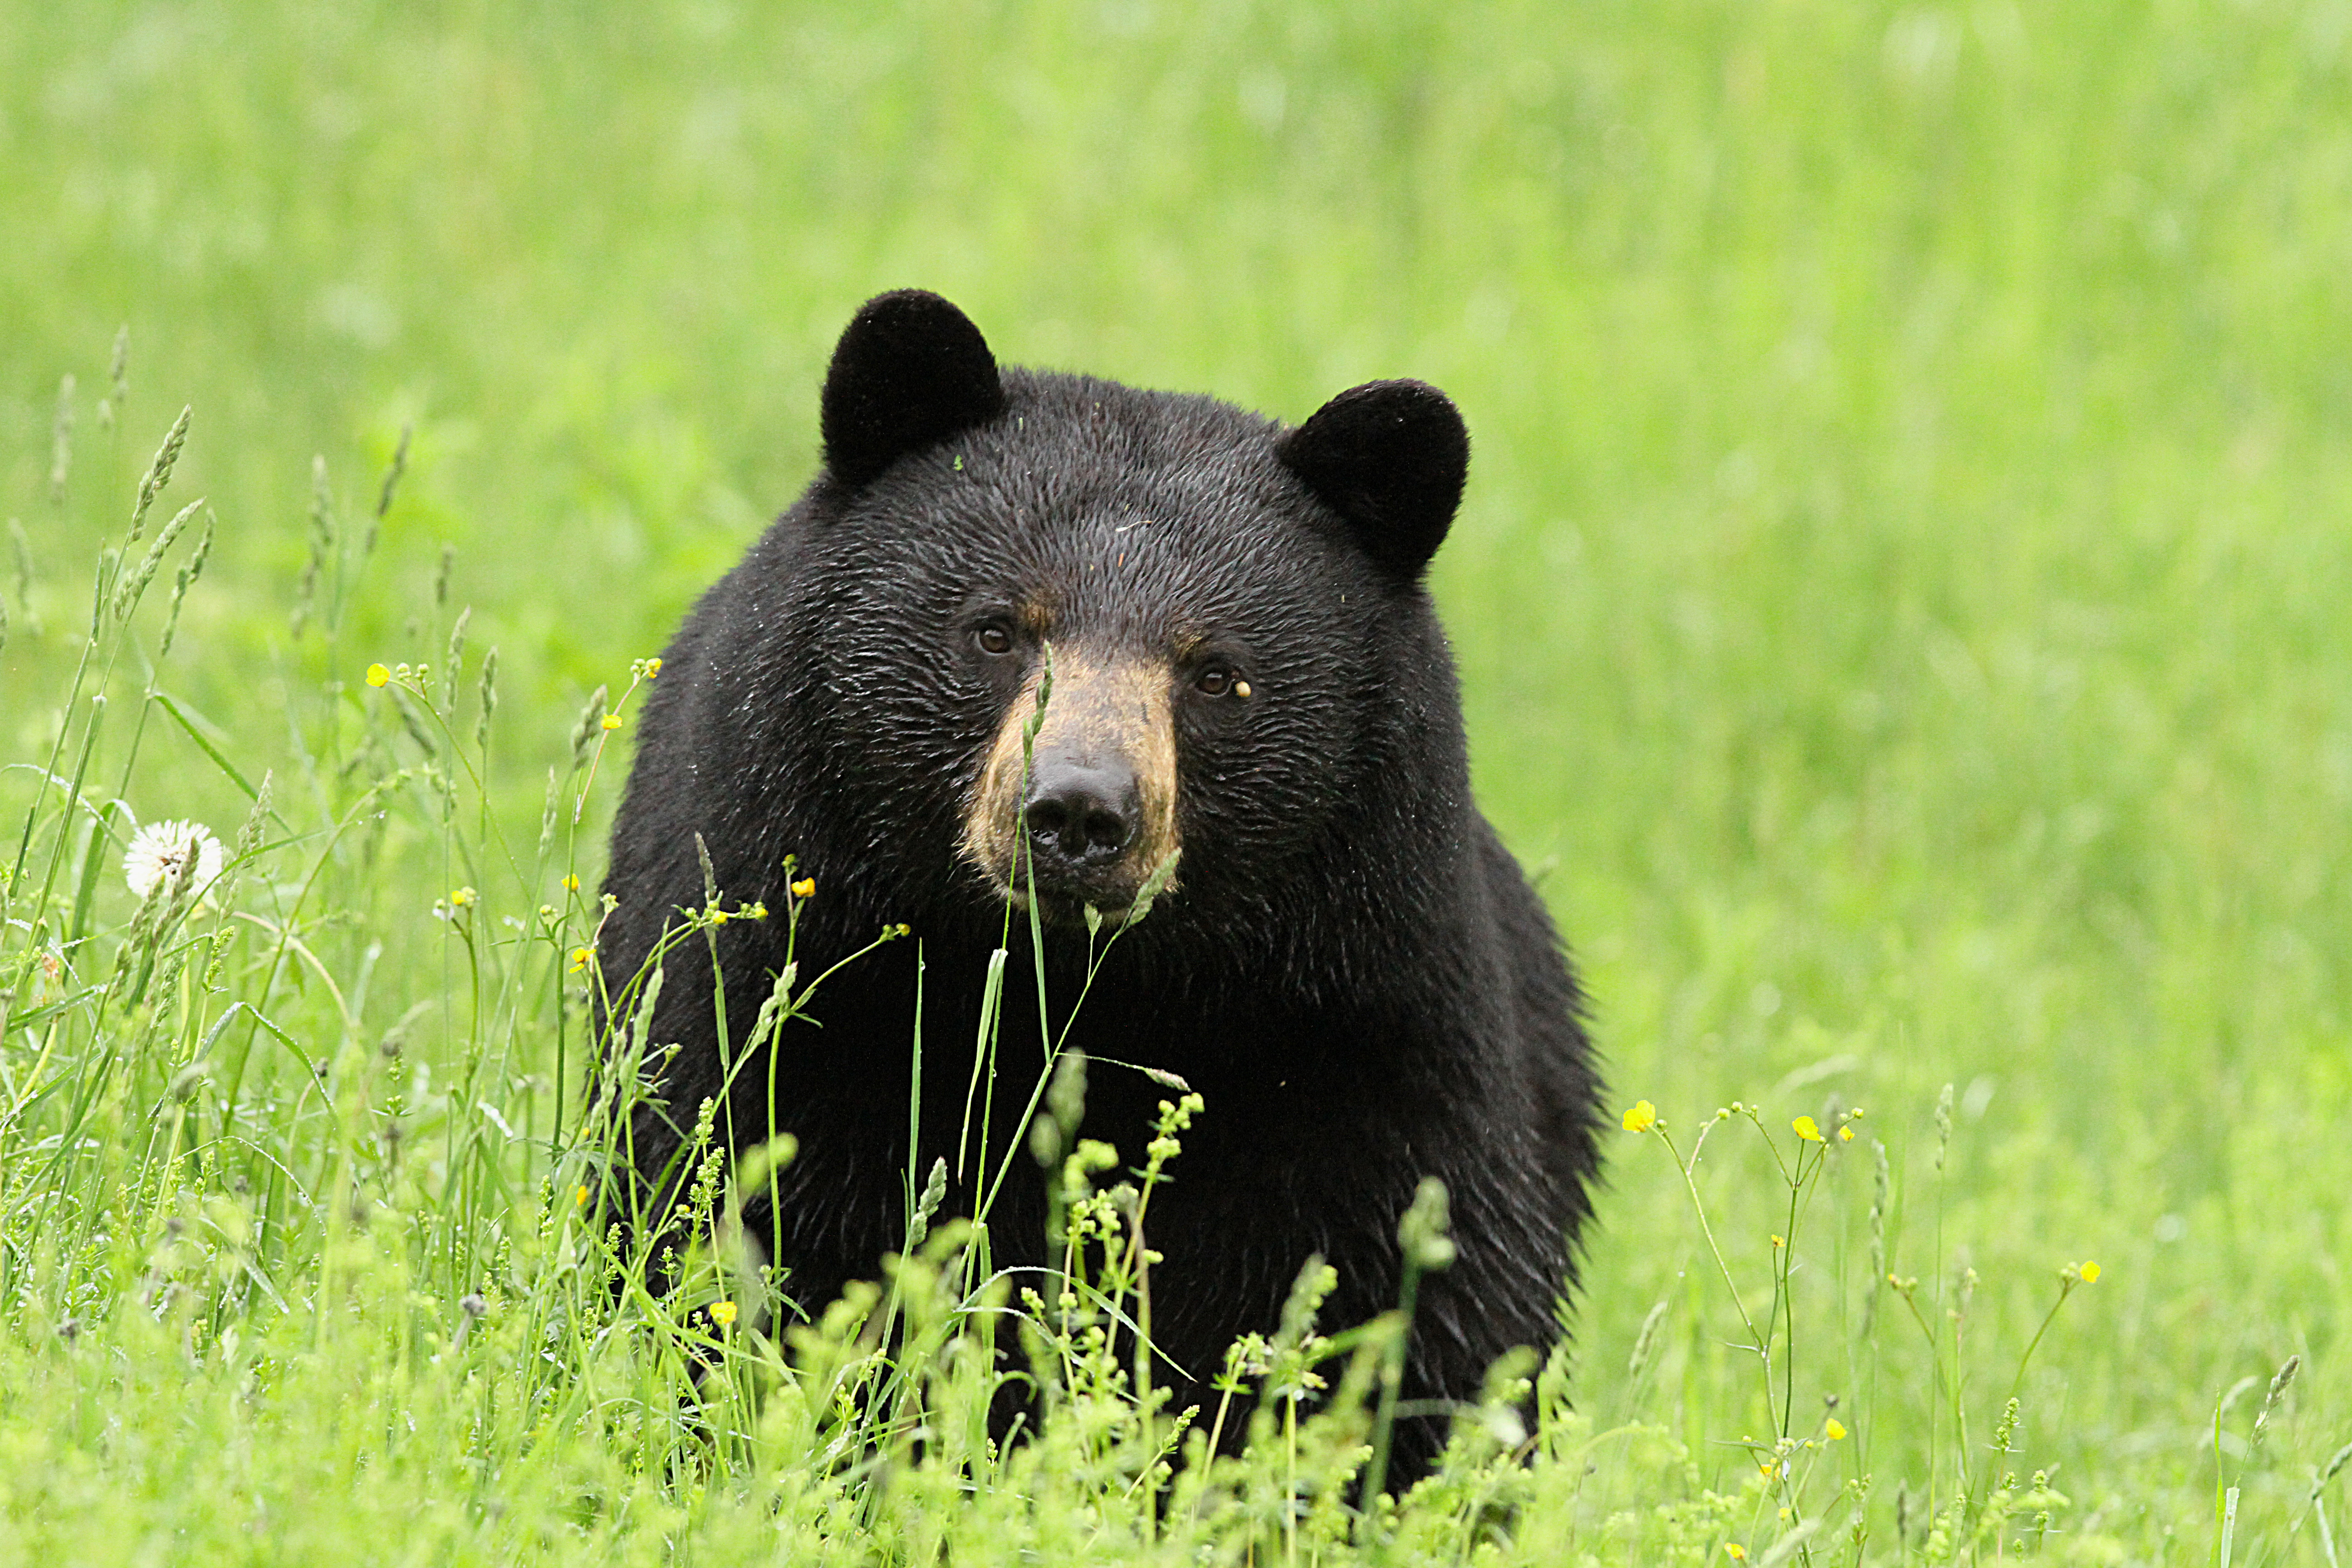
<point>1905,607</point>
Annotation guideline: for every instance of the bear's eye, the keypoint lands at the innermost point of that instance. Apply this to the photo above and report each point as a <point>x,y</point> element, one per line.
<point>1214,683</point>
<point>993,640</point>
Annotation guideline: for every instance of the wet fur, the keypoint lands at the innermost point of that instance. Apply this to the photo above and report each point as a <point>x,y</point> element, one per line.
<point>1354,974</point>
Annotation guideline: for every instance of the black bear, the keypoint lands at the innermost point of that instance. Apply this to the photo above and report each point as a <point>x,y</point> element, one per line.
<point>1247,678</point>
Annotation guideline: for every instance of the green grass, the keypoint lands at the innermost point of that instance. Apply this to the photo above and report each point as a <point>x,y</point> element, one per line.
<point>1901,605</point>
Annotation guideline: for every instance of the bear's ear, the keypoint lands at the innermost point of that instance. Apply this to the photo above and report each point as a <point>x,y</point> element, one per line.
<point>1389,457</point>
<point>910,369</point>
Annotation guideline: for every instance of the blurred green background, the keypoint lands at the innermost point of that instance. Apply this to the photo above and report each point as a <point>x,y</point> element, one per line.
<point>1902,595</point>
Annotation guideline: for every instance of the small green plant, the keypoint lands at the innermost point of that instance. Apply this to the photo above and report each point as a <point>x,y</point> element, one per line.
<point>1963,1507</point>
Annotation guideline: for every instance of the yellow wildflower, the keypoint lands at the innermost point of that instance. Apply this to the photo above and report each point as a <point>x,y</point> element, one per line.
<point>653,667</point>
<point>377,675</point>
<point>2090,1273</point>
<point>1780,1241</point>
<point>1737,1553</point>
<point>1834,1429</point>
<point>806,888</point>
<point>612,721</point>
<point>579,1194</point>
<point>1845,1134</point>
<point>723,1314</point>
<point>580,957</point>
<point>1642,1118</point>
<point>463,898</point>
<point>1807,1129</point>
<point>570,883</point>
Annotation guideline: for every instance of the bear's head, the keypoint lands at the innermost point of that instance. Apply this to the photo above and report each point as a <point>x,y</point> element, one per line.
<point>1066,635</point>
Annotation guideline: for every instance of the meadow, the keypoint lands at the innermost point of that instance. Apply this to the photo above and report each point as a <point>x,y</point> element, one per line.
<point>1901,602</point>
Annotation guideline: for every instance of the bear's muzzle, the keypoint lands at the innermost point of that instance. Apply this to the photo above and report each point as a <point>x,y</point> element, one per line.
<point>1086,810</point>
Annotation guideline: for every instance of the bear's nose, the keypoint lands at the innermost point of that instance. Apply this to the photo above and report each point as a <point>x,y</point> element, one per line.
<point>1084,814</point>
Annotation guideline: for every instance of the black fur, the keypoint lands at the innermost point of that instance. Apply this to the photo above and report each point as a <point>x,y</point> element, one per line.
<point>1391,458</point>
<point>910,369</point>
<point>1353,973</point>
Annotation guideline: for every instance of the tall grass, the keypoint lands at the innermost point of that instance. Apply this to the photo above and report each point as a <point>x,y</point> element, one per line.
<point>263,1249</point>
<point>259,1254</point>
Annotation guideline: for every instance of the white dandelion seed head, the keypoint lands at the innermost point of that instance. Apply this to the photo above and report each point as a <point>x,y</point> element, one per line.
<point>162,851</point>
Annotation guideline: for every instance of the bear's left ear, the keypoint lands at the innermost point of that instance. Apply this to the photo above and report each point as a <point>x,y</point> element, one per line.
<point>1389,457</point>
<point>910,369</point>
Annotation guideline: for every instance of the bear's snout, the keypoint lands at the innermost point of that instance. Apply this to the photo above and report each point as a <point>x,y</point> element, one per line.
<point>1085,801</point>
<point>1080,814</point>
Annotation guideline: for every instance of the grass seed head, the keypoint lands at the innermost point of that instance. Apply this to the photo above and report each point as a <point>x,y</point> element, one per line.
<point>457,658</point>
<point>22,549</point>
<point>61,440</point>
<point>2279,1381</point>
<point>190,570</point>
<point>127,592</point>
<point>489,697</point>
<point>392,473</point>
<point>590,726</point>
<point>110,407</point>
<point>2330,1470</point>
<point>1645,1341</point>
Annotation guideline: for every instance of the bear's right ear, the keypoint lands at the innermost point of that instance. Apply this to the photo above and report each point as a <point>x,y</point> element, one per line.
<point>1389,456</point>
<point>910,369</point>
